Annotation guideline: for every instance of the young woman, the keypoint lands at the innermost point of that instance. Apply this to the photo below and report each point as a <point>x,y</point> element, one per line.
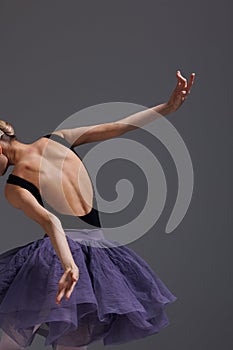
<point>110,294</point>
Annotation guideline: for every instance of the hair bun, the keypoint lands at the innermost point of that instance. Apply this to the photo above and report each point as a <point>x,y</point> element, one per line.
<point>6,128</point>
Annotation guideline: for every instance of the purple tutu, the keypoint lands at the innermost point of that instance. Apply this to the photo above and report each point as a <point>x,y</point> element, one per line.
<point>118,297</point>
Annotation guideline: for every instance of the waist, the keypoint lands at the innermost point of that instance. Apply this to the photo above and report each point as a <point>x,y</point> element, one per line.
<point>78,234</point>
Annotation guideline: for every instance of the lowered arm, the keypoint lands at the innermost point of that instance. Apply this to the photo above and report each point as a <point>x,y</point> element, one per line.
<point>21,198</point>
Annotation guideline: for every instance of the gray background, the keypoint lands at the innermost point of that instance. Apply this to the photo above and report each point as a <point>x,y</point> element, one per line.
<point>57,57</point>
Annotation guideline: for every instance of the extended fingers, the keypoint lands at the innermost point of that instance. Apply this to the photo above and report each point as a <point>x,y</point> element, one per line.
<point>75,278</point>
<point>61,285</point>
<point>60,295</point>
<point>182,82</point>
<point>69,292</point>
<point>190,83</point>
<point>65,286</point>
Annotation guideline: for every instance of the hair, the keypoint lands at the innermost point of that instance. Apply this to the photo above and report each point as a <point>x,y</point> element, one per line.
<point>8,130</point>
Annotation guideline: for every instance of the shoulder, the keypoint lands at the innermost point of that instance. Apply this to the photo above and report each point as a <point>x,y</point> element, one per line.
<point>59,133</point>
<point>49,135</point>
<point>18,196</point>
<point>10,192</point>
<point>22,199</point>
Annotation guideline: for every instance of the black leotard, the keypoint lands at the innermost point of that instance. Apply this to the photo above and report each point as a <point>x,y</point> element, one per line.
<point>68,221</point>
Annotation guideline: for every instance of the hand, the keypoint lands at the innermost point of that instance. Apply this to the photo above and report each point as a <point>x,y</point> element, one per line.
<point>181,91</point>
<point>67,283</point>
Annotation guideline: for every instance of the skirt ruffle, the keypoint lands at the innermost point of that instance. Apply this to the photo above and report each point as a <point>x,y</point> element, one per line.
<point>118,297</point>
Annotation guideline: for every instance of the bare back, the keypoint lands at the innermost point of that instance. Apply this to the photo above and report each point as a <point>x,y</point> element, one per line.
<point>59,175</point>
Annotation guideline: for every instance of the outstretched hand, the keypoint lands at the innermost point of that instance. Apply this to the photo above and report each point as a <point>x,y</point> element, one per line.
<point>181,91</point>
<point>67,283</point>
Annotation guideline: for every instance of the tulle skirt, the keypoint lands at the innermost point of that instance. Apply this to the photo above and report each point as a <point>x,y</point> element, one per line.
<point>117,298</point>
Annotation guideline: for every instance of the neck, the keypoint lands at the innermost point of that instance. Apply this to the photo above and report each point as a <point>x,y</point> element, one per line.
<point>14,151</point>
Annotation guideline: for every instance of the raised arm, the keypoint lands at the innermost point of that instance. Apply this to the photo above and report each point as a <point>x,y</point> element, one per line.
<point>100,132</point>
<point>22,199</point>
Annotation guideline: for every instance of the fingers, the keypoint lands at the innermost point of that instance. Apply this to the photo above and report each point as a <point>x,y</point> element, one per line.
<point>64,277</point>
<point>69,292</point>
<point>183,93</point>
<point>74,281</point>
<point>191,81</point>
<point>66,285</point>
<point>61,285</point>
<point>182,83</point>
<point>60,295</point>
